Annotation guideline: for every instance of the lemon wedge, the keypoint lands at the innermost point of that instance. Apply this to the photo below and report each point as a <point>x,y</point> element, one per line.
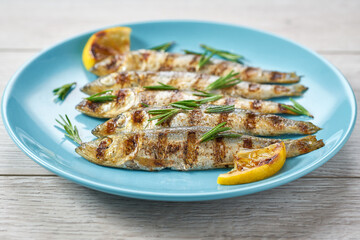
<point>108,42</point>
<point>254,165</point>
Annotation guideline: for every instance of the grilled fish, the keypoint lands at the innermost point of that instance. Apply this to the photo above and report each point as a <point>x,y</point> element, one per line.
<point>132,98</point>
<point>243,121</point>
<point>179,149</point>
<point>148,60</point>
<point>188,81</point>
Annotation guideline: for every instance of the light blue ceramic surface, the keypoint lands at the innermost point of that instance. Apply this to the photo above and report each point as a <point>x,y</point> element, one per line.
<point>29,110</point>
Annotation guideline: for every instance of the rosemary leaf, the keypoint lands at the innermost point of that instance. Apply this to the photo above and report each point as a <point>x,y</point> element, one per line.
<point>205,58</point>
<point>101,97</point>
<point>202,93</point>
<point>71,131</point>
<point>144,104</point>
<point>64,90</point>
<point>166,115</point>
<point>224,82</point>
<point>162,86</point>
<point>163,47</point>
<point>220,109</point>
<point>209,99</point>
<point>213,133</point>
<point>224,54</point>
<point>297,108</point>
<point>191,52</point>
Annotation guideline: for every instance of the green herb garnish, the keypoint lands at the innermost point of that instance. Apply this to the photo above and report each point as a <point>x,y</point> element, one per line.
<point>144,104</point>
<point>224,82</point>
<point>101,97</point>
<point>209,99</point>
<point>162,86</point>
<point>186,104</point>
<point>64,90</point>
<point>205,58</point>
<point>224,54</point>
<point>191,52</point>
<point>71,131</point>
<point>220,109</point>
<point>163,114</point>
<point>163,47</point>
<point>297,108</point>
<point>214,133</point>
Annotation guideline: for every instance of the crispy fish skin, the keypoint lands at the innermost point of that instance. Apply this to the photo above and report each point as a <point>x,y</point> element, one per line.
<point>179,149</point>
<point>243,121</point>
<point>148,60</point>
<point>187,81</point>
<point>131,98</point>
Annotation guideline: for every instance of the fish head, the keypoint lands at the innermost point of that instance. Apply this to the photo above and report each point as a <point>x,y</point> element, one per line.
<point>111,126</point>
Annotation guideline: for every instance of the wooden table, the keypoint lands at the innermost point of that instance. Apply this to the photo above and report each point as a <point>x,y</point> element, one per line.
<point>36,204</point>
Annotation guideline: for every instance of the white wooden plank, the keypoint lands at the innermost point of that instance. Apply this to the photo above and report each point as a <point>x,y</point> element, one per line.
<point>320,25</point>
<point>43,207</point>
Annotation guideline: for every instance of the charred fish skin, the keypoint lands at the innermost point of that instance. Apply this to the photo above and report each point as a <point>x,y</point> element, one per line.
<point>148,60</point>
<point>132,98</point>
<point>243,121</point>
<point>188,81</point>
<point>179,149</point>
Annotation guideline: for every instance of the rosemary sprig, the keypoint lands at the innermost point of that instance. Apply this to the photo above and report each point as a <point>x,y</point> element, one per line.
<point>205,58</point>
<point>214,133</point>
<point>163,47</point>
<point>224,82</point>
<point>209,99</point>
<point>186,104</point>
<point>224,54</point>
<point>71,131</point>
<point>162,86</point>
<point>191,52</point>
<point>64,90</point>
<point>297,108</point>
<point>163,114</point>
<point>101,97</point>
<point>220,109</point>
<point>144,104</point>
<point>202,93</point>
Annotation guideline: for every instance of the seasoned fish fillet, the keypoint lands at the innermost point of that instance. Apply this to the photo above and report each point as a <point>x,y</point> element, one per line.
<point>188,81</point>
<point>148,60</point>
<point>178,149</point>
<point>131,98</point>
<point>243,121</point>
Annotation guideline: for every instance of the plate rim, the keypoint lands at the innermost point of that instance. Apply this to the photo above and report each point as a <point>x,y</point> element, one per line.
<point>141,194</point>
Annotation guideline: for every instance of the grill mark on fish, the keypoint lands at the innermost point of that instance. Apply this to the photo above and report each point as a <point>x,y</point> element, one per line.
<point>145,55</point>
<point>248,72</point>
<point>120,96</point>
<point>131,143</point>
<point>220,68</point>
<point>229,101</point>
<point>275,76</point>
<point>250,121</point>
<point>256,104</point>
<point>195,117</point>
<point>253,87</point>
<point>190,151</point>
<point>112,65</point>
<point>223,117</point>
<point>280,89</point>
<point>219,150</point>
<point>168,63</point>
<point>92,105</point>
<point>247,143</point>
<point>162,145</point>
<point>194,61</point>
<point>121,78</point>
<point>277,121</point>
<point>111,125</point>
<point>100,150</point>
<point>138,117</point>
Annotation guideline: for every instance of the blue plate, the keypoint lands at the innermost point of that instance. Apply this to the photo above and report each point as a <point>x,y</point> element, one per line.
<point>29,110</point>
